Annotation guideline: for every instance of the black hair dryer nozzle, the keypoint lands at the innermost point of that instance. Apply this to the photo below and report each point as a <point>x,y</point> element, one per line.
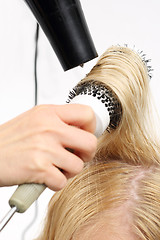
<point>65,26</point>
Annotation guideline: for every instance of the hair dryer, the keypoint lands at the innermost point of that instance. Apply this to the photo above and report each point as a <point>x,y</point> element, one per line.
<point>65,26</point>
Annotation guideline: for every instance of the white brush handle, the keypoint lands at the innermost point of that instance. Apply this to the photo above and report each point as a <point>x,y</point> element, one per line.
<point>26,194</point>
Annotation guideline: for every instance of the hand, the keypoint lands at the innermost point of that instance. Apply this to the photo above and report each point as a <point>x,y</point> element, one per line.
<point>33,146</point>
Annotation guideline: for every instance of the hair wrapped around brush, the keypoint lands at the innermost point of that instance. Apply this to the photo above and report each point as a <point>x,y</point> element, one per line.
<point>136,140</point>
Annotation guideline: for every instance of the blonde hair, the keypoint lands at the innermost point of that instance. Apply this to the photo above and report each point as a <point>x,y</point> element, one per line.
<point>126,167</point>
<point>105,187</point>
<point>123,71</point>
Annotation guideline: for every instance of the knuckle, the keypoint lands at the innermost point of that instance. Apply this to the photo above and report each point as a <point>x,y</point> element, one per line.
<point>38,162</point>
<point>37,168</point>
<point>45,120</point>
<point>39,145</point>
<point>41,113</point>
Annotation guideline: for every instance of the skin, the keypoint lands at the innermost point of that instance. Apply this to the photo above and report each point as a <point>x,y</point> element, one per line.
<point>107,234</point>
<point>34,145</point>
<point>114,224</point>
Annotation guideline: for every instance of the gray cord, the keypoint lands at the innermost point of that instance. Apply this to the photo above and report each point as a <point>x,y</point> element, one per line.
<point>36,97</point>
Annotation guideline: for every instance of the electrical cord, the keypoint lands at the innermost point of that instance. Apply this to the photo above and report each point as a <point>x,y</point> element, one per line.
<point>35,63</point>
<point>35,103</point>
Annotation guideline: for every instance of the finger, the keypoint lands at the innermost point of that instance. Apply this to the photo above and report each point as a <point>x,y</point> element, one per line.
<point>83,143</point>
<point>68,162</point>
<point>77,115</point>
<point>55,179</point>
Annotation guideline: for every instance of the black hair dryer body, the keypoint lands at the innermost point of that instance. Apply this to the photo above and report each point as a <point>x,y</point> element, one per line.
<point>65,26</point>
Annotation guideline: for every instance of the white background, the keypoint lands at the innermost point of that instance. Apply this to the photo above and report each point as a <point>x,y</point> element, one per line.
<point>111,22</point>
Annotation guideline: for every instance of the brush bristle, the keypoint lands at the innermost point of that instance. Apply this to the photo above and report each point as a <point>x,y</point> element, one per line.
<point>102,93</point>
<point>143,56</point>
